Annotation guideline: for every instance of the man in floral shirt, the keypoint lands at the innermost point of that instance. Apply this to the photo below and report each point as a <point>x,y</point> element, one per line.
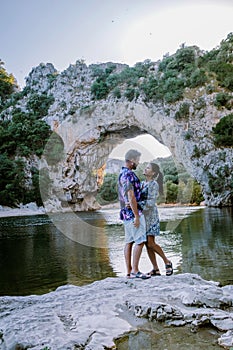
<point>131,213</point>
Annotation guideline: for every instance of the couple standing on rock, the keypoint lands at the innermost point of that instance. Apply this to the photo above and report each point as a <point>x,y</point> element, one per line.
<point>140,215</point>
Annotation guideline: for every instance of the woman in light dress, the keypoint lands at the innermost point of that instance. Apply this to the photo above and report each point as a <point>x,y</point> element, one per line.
<point>150,189</point>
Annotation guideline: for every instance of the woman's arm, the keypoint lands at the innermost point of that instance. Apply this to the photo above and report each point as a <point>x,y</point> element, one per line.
<point>152,195</point>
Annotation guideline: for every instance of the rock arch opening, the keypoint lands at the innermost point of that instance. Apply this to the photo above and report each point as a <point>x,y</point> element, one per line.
<point>78,177</point>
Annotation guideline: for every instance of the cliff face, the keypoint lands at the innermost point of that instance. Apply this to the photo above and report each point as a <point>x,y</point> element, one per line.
<point>90,129</point>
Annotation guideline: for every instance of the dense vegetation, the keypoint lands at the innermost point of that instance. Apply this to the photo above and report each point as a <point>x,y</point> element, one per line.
<point>189,67</point>
<point>21,137</point>
<point>179,187</point>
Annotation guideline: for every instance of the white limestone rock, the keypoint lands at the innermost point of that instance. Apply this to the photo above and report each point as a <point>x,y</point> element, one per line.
<point>92,316</point>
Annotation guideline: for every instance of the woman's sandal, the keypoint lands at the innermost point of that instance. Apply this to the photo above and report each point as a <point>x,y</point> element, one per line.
<point>169,269</point>
<point>154,273</point>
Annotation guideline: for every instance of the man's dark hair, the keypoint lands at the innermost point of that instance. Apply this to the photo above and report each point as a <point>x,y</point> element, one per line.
<point>132,154</point>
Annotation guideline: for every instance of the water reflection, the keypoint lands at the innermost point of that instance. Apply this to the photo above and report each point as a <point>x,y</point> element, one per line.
<point>84,228</point>
<point>155,336</point>
<point>35,257</point>
<point>207,244</point>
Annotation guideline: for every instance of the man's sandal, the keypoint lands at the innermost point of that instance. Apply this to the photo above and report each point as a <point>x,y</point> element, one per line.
<point>169,269</point>
<point>139,275</point>
<point>154,273</point>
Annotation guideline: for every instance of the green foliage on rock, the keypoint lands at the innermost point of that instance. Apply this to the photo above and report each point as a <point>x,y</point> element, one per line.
<point>167,80</point>
<point>100,88</point>
<point>223,132</point>
<point>171,190</point>
<point>11,180</point>
<point>7,85</point>
<point>39,104</point>
<point>22,136</point>
<point>223,100</point>
<point>108,192</point>
<point>183,112</point>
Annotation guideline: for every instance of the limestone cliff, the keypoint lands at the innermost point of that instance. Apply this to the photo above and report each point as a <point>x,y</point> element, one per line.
<point>90,129</point>
<point>91,125</point>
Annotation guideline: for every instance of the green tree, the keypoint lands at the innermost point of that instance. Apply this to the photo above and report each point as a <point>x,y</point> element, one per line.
<point>183,112</point>
<point>223,100</point>
<point>223,132</point>
<point>7,85</point>
<point>171,191</point>
<point>151,90</point>
<point>198,78</point>
<point>39,104</point>
<point>184,57</point>
<point>197,196</point>
<point>99,89</point>
<point>12,189</point>
<point>23,135</point>
<point>108,191</point>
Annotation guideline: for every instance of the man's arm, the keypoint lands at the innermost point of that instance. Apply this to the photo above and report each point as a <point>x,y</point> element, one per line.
<point>134,207</point>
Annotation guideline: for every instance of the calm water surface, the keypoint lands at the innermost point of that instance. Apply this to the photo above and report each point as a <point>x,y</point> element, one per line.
<point>35,257</point>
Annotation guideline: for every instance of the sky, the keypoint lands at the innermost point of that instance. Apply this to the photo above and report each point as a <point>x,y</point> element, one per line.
<point>125,31</point>
<point>147,145</point>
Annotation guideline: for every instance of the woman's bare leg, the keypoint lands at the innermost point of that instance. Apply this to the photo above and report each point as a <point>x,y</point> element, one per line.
<point>152,257</point>
<point>156,249</point>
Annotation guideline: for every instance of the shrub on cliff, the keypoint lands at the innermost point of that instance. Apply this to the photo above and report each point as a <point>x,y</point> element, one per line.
<point>7,85</point>
<point>39,104</point>
<point>108,192</point>
<point>11,180</point>
<point>23,135</point>
<point>223,132</point>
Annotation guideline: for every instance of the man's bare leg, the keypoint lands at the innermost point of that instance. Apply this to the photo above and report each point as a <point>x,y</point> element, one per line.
<point>127,253</point>
<point>137,251</point>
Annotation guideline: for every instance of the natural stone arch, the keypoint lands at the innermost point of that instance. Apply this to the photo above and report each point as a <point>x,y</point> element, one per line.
<point>90,134</point>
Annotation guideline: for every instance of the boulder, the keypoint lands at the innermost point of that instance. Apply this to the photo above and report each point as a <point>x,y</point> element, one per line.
<point>92,316</point>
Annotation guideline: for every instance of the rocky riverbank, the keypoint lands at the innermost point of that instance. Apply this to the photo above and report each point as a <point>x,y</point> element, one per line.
<point>22,210</point>
<point>33,209</point>
<point>92,316</point>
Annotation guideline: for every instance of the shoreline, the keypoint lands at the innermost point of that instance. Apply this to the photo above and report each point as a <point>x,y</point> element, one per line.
<point>15,212</point>
<point>12,212</point>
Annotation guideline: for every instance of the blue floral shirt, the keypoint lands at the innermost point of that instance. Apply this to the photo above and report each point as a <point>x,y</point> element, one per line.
<point>128,180</point>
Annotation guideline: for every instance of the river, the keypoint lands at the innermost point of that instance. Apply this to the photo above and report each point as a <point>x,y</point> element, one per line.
<point>37,255</point>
